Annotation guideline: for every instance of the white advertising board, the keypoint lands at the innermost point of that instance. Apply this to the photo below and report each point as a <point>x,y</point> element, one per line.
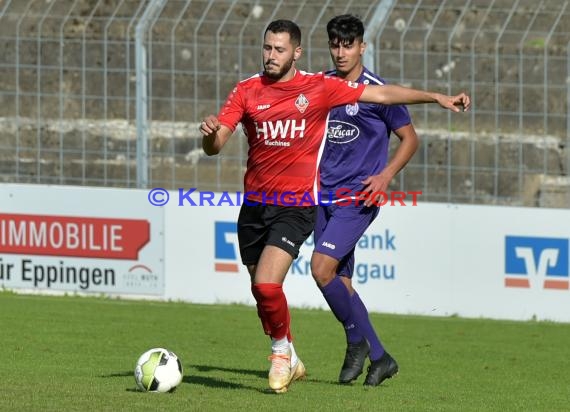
<point>202,255</point>
<point>430,259</point>
<point>73,239</point>
<point>473,261</point>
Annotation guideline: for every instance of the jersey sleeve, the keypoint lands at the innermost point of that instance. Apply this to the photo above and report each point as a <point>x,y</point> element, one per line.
<point>233,109</point>
<point>395,116</point>
<point>341,92</point>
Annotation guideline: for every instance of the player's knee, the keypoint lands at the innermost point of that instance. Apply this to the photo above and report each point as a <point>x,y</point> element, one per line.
<point>348,283</point>
<point>322,272</point>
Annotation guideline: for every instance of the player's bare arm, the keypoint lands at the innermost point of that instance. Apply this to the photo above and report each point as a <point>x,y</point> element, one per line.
<point>214,135</point>
<point>408,145</point>
<point>394,94</point>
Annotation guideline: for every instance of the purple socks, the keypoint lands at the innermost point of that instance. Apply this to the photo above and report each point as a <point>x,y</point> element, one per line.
<point>360,314</point>
<point>351,312</point>
<point>338,298</point>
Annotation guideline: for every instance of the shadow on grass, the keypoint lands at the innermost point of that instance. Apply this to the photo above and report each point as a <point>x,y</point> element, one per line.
<point>122,375</point>
<point>219,383</point>
<point>118,374</point>
<point>209,368</point>
<point>215,382</point>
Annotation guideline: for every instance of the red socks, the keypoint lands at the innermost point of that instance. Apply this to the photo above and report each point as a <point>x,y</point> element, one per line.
<point>272,309</point>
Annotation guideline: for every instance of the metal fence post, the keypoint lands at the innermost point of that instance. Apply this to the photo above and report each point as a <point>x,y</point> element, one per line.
<point>568,109</point>
<point>153,9</point>
<point>374,25</point>
<point>546,82</point>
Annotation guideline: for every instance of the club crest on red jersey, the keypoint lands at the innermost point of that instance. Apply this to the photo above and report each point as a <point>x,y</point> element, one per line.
<point>301,103</point>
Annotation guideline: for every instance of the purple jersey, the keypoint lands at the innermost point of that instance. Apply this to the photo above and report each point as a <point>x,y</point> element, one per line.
<point>358,138</point>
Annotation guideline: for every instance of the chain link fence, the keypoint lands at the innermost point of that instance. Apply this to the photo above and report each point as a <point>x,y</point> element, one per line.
<point>109,93</point>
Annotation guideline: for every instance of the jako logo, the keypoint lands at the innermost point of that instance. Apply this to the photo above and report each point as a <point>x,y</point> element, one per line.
<point>226,247</point>
<point>535,262</point>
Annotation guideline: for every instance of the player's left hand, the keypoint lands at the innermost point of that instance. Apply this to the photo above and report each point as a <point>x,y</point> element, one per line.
<point>458,103</point>
<point>375,187</point>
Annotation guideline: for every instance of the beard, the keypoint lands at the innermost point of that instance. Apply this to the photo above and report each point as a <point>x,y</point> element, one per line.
<point>276,75</point>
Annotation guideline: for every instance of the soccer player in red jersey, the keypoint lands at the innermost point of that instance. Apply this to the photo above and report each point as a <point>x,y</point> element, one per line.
<point>284,113</point>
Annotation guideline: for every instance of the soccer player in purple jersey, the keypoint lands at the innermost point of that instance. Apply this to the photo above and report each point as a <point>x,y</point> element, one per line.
<point>355,159</point>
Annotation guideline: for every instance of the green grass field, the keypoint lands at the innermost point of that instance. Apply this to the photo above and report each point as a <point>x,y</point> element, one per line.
<point>77,353</point>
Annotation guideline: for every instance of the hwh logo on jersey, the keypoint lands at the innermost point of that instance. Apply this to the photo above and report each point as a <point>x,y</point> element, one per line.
<point>282,129</point>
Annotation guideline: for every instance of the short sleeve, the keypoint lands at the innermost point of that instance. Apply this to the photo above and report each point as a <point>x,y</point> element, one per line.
<point>395,116</point>
<point>233,109</point>
<point>341,92</point>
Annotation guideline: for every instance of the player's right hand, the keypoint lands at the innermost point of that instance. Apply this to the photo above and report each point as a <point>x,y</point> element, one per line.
<point>209,125</point>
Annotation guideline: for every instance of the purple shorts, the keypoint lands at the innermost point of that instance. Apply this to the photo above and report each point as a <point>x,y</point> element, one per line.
<point>337,231</point>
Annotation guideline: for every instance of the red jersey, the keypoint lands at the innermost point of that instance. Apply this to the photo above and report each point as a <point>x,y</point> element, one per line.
<point>285,124</point>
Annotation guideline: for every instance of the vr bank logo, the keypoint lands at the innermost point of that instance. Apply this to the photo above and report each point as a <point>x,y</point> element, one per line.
<point>536,262</point>
<point>226,247</point>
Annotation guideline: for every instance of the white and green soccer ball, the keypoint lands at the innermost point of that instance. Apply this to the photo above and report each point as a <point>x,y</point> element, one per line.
<point>158,370</point>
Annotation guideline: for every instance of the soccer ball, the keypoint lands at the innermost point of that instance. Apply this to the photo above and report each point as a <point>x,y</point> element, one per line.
<point>158,370</point>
